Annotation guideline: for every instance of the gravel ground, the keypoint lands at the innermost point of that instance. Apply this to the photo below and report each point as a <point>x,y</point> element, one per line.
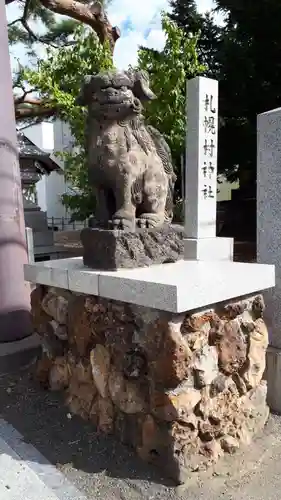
<point>102,468</point>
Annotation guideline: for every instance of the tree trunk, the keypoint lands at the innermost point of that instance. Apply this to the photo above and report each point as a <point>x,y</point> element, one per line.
<point>14,292</point>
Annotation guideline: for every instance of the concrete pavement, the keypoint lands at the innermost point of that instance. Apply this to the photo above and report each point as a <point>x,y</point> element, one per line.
<point>26,475</point>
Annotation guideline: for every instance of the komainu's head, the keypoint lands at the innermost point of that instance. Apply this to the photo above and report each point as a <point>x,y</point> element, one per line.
<point>115,94</point>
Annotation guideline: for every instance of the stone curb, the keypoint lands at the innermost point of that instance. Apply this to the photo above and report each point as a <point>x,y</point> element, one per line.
<point>44,470</point>
<point>19,354</point>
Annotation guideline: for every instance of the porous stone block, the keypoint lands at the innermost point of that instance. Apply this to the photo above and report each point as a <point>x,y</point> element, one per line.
<point>114,249</point>
<point>181,389</point>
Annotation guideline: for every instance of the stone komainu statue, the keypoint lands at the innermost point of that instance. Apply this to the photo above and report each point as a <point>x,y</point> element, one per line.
<point>129,162</point>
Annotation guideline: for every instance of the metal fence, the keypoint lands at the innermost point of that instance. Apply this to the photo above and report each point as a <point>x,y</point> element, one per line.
<point>65,224</point>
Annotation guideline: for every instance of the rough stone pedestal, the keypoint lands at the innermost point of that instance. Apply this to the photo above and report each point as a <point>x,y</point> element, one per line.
<point>162,357</point>
<point>113,249</point>
<point>182,390</point>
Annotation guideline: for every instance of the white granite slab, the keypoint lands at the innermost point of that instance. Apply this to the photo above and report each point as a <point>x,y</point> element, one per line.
<point>178,287</point>
<point>83,280</point>
<point>208,249</point>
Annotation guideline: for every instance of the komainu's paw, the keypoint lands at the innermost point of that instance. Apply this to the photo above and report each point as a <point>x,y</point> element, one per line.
<point>150,220</point>
<point>123,221</point>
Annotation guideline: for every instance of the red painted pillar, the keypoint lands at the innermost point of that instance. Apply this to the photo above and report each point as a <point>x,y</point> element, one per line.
<point>14,292</point>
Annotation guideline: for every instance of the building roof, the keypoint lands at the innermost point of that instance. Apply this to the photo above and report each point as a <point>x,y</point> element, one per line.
<point>28,150</point>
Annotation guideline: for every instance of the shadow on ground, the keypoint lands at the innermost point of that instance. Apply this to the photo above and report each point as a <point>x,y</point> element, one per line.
<point>101,467</point>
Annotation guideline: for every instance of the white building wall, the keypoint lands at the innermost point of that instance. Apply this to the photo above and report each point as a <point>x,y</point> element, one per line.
<point>52,138</point>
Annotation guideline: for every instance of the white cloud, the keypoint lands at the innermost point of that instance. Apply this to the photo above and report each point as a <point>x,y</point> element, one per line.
<point>140,13</point>
<point>155,39</point>
<point>140,24</point>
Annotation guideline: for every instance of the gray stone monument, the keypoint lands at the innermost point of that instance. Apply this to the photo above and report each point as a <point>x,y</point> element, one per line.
<point>269,238</point>
<point>201,174</point>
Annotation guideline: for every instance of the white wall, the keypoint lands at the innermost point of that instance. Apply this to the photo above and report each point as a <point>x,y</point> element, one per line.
<point>42,134</point>
<point>51,137</point>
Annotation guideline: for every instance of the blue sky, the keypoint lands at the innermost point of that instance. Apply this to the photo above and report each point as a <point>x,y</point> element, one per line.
<point>140,24</point>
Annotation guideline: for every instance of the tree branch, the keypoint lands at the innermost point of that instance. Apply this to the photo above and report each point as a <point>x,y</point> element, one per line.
<point>91,14</point>
<point>26,106</point>
<point>23,113</point>
<point>25,10</point>
<point>15,21</point>
<point>23,21</point>
<point>28,100</point>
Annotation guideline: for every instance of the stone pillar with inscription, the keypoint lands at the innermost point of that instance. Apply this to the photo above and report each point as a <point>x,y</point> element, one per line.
<point>201,242</point>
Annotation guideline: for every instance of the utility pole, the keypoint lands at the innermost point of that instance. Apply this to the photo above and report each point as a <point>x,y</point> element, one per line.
<point>15,321</point>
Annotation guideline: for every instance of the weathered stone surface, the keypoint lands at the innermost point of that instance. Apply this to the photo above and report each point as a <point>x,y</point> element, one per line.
<point>100,363</point>
<point>42,370</point>
<point>181,389</point>
<point>254,305</point>
<point>134,363</point>
<point>221,408</point>
<point>258,306</point>
<point>175,405</point>
<point>229,444</point>
<point>59,375</point>
<point>105,415</point>
<point>129,428</point>
<point>179,443</point>
<point>256,411</point>
<point>197,340</point>
<point>206,365</point>
<point>240,384</point>
<point>125,394</point>
<point>60,331</point>
<point>232,347</point>
<point>197,327</point>
<point>51,344</point>
<point>112,324</point>
<point>211,450</point>
<point>129,162</point>
<point>219,384</point>
<point>109,250</point>
<point>151,438</point>
<point>150,331</point>
<point>38,315</point>
<point>79,324</point>
<point>83,373</point>
<point>209,430</point>
<point>75,407</point>
<point>82,390</point>
<point>56,306</point>
<point>234,309</point>
<point>171,363</point>
<point>198,322</point>
<point>256,358</point>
